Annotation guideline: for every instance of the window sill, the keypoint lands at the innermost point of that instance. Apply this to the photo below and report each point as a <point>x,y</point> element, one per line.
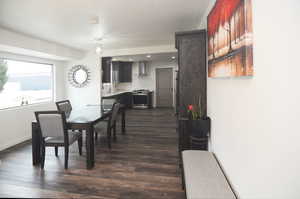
<point>27,106</point>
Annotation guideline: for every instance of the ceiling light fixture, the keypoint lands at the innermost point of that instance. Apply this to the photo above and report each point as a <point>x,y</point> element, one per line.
<point>99,46</point>
<point>99,50</point>
<point>173,57</point>
<point>148,56</point>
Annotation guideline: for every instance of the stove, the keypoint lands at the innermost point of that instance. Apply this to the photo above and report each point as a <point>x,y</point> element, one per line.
<point>142,99</point>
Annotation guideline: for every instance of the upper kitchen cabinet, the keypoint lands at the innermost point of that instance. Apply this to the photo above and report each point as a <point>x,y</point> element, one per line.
<point>125,72</point>
<point>191,77</point>
<point>106,69</point>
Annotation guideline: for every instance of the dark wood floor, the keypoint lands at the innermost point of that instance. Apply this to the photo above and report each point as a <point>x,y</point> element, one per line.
<point>142,164</point>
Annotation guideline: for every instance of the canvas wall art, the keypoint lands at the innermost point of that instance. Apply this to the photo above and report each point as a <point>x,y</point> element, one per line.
<point>230,39</point>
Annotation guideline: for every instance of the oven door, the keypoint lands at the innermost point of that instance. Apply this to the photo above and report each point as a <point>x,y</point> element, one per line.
<point>140,100</point>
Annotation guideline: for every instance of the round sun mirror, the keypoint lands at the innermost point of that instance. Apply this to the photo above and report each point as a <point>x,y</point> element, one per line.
<point>79,76</point>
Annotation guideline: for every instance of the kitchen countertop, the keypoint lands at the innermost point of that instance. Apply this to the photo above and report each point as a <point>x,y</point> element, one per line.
<point>115,93</point>
<point>112,94</point>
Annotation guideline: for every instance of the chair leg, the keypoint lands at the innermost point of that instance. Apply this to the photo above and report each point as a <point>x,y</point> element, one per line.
<point>96,135</point>
<point>66,156</point>
<point>115,132</point>
<point>43,156</point>
<point>80,145</point>
<point>86,140</point>
<point>56,151</point>
<point>109,138</point>
<point>182,182</point>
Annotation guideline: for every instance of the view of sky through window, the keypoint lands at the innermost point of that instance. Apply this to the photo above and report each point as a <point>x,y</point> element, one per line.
<point>28,83</point>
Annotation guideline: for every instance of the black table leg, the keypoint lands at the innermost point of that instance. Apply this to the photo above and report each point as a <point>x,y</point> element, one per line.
<point>123,121</point>
<point>36,148</point>
<point>90,150</point>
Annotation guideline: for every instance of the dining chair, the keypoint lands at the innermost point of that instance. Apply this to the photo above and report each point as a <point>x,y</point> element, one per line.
<point>64,106</point>
<point>107,104</point>
<point>109,124</point>
<point>54,133</point>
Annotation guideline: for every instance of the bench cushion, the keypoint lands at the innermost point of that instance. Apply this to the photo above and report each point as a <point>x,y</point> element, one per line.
<point>204,178</point>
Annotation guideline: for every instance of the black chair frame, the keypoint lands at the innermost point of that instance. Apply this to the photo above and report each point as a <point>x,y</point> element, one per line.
<point>56,145</point>
<point>111,126</point>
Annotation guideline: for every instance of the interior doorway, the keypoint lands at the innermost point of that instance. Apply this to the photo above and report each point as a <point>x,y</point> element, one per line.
<point>164,87</point>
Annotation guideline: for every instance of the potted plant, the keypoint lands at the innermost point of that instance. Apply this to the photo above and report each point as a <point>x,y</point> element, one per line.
<point>198,124</point>
<point>3,74</point>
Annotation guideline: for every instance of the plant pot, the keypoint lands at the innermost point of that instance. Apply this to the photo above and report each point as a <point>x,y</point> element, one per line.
<point>199,131</point>
<point>199,128</point>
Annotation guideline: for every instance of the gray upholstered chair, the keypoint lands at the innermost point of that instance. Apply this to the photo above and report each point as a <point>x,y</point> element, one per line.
<point>107,104</point>
<point>64,106</point>
<point>54,133</point>
<point>109,124</point>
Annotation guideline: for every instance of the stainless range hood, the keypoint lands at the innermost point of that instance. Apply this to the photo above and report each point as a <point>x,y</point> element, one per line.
<point>142,68</point>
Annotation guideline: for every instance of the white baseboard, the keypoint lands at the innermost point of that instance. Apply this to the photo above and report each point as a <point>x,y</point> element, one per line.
<point>14,142</point>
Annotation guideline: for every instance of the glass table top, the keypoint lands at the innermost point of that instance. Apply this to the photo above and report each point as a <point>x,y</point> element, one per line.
<point>86,115</point>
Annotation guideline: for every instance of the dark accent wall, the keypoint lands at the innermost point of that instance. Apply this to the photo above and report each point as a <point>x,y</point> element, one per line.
<point>192,74</point>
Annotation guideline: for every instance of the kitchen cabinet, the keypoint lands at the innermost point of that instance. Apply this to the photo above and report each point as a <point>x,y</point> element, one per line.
<point>106,69</point>
<point>125,72</point>
<point>125,98</point>
<point>122,71</point>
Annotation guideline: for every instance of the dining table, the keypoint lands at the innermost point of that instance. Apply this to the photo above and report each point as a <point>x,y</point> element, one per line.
<point>82,119</point>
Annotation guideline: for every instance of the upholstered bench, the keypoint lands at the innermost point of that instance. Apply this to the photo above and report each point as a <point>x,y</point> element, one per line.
<point>203,177</point>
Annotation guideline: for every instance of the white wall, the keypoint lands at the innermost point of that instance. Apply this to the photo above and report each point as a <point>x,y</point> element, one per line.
<point>18,43</point>
<point>140,50</point>
<point>255,121</point>
<point>149,81</point>
<point>15,123</point>
<point>91,93</point>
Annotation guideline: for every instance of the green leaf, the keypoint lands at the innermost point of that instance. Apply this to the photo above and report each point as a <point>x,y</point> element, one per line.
<point>3,74</point>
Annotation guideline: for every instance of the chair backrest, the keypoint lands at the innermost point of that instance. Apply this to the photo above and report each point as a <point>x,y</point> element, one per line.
<point>52,123</point>
<point>114,114</point>
<point>107,104</point>
<point>64,106</point>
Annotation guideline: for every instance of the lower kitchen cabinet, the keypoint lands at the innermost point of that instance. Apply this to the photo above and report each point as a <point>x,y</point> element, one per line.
<point>124,98</point>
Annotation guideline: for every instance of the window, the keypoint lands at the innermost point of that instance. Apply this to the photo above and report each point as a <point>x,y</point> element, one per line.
<point>27,83</point>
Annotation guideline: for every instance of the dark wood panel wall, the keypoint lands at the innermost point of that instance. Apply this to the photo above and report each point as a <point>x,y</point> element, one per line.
<point>192,75</point>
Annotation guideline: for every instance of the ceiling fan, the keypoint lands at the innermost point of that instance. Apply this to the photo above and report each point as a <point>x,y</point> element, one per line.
<point>100,37</point>
<point>97,40</point>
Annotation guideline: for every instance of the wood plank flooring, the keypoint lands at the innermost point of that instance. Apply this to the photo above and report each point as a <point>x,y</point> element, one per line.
<point>141,164</point>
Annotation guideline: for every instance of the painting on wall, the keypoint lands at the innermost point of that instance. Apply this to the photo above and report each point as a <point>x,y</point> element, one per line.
<point>230,39</point>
